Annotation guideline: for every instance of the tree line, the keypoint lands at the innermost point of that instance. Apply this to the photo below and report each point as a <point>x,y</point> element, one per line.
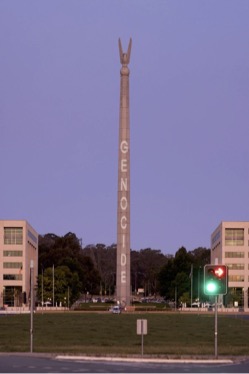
<point>67,272</point>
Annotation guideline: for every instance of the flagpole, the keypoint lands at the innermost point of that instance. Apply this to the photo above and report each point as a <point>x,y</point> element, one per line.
<point>53,285</point>
<point>42,290</point>
<point>191,285</point>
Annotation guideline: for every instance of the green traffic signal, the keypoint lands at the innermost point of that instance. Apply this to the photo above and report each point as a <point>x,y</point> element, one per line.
<point>211,287</point>
<point>215,280</point>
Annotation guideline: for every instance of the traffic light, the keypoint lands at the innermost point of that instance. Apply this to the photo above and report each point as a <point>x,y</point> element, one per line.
<point>215,280</point>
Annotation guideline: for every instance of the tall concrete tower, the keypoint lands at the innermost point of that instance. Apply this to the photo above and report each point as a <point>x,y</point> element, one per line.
<point>123,275</point>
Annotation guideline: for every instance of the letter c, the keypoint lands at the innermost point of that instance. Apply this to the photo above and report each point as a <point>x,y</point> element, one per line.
<point>123,222</point>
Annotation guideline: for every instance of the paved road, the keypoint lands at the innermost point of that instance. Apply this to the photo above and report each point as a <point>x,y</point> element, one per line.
<point>39,363</point>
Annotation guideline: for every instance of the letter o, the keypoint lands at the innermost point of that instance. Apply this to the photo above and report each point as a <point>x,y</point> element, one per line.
<point>123,203</point>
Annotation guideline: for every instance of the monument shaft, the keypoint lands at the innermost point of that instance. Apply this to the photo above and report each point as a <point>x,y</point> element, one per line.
<point>123,276</point>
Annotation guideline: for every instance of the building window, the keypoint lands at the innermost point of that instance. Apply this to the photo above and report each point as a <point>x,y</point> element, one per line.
<point>12,265</point>
<point>13,235</point>
<point>236,278</point>
<point>12,253</point>
<point>216,237</point>
<point>236,266</point>
<point>234,236</point>
<point>234,254</point>
<point>12,277</point>
<point>32,236</point>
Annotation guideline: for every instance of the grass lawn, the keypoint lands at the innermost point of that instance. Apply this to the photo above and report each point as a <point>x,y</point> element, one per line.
<point>105,334</point>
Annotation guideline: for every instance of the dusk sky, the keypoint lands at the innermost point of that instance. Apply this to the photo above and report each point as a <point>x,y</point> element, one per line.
<point>189,117</point>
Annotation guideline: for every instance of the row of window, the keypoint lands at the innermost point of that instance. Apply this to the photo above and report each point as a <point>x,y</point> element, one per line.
<point>216,237</point>
<point>234,236</point>
<point>231,278</point>
<point>12,265</point>
<point>236,278</point>
<point>236,266</point>
<point>18,265</point>
<point>13,235</point>
<point>32,236</point>
<point>235,254</point>
<point>12,253</point>
<point>12,276</point>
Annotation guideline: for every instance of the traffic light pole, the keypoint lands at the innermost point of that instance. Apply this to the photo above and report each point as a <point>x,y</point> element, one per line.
<point>216,328</point>
<point>215,284</point>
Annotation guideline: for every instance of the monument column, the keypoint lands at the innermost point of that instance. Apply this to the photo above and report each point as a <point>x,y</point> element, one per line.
<point>123,276</point>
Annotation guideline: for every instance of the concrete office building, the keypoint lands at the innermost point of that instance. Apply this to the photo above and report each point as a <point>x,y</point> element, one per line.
<point>230,246</point>
<point>18,246</point>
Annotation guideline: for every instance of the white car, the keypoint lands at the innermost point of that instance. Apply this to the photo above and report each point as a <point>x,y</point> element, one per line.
<point>116,309</point>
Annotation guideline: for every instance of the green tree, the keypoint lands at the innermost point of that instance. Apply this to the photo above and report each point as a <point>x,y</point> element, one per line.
<point>72,269</point>
<point>199,258</point>
<point>177,273</point>
<point>150,262</point>
<point>60,285</point>
<point>165,278</point>
<point>104,260</point>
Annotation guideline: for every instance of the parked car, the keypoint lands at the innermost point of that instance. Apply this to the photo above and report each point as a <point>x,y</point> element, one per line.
<point>116,309</point>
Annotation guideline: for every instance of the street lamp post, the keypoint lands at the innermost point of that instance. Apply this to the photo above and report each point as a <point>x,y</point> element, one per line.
<point>42,291</point>
<point>31,303</point>
<point>175,297</point>
<point>191,286</point>
<point>199,286</point>
<point>53,285</point>
<point>68,297</point>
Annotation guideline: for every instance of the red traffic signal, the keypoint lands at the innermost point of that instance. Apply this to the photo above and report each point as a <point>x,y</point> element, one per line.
<point>220,271</point>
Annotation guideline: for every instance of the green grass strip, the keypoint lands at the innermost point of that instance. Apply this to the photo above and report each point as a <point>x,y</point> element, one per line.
<point>176,334</point>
